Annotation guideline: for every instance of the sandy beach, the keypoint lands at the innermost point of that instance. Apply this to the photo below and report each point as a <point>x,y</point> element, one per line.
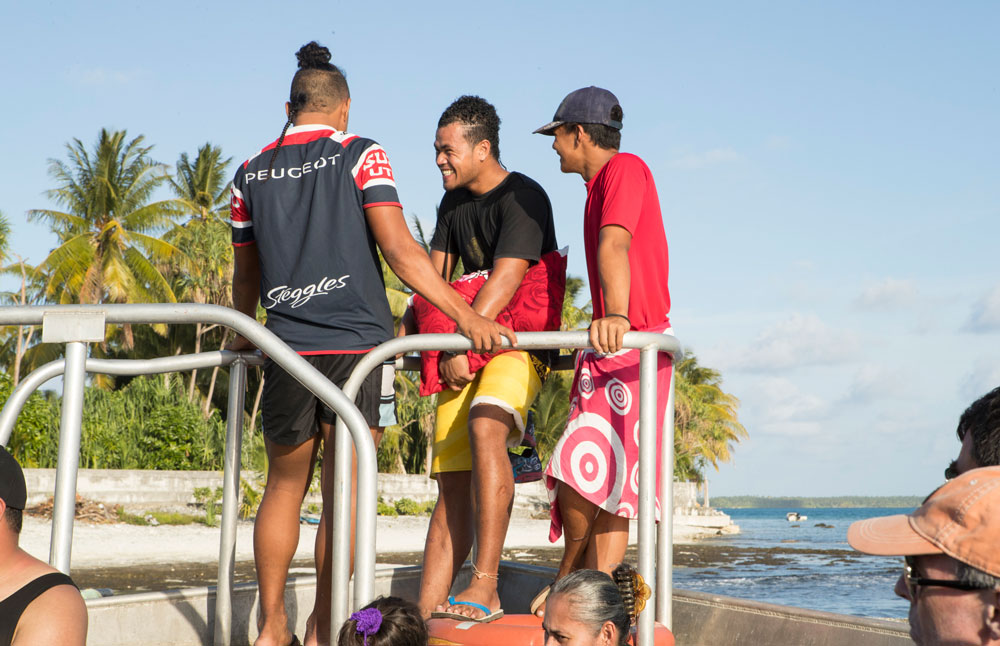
<point>119,544</point>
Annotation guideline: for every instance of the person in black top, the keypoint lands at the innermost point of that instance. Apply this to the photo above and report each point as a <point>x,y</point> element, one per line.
<point>499,221</point>
<point>38,605</point>
<point>307,214</point>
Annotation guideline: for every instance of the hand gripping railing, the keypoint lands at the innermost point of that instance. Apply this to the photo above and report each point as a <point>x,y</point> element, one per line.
<point>658,569</point>
<point>77,324</point>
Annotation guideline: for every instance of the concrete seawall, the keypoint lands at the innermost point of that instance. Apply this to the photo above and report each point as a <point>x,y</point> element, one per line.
<point>161,489</point>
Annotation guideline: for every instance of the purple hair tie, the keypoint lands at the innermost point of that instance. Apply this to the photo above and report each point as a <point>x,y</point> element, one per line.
<point>368,621</point>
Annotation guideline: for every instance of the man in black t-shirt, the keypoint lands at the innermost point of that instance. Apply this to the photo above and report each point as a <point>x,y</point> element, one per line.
<point>501,222</point>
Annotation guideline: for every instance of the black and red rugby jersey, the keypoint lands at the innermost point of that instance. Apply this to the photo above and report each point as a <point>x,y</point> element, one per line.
<point>321,281</point>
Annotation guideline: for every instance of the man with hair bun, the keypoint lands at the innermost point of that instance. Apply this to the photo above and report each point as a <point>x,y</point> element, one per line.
<point>307,213</point>
<point>951,572</point>
<point>592,474</point>
<point>497,221</point>
<point>38,604</point>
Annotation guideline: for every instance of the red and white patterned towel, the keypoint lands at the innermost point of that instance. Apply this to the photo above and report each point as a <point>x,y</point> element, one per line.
<point>598,453</point>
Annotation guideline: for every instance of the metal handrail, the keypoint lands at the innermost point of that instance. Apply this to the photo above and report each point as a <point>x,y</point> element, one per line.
<point>79,320</point>
<point>122,367</point>
<point>649,344</point>
<point>348,418</point>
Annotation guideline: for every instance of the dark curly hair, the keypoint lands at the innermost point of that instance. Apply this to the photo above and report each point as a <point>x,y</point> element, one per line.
<point>480,118</point>
<point>982,419</point>
<point>401,625</point>
<point>318,85</point>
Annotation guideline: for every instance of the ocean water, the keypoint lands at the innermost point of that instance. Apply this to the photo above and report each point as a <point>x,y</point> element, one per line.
<point>807,564</point>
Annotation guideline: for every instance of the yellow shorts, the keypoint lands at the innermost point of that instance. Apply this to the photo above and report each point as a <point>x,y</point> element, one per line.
<point>509,381</point>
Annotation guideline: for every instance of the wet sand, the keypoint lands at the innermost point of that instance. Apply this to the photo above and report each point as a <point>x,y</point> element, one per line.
<point>146,577</point>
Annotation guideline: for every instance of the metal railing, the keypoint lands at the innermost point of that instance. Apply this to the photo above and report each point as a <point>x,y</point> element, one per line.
<point>650,567</point>
<point>77,325</point>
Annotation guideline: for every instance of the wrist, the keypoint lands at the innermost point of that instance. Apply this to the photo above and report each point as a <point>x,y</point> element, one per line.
<point>621,316</point>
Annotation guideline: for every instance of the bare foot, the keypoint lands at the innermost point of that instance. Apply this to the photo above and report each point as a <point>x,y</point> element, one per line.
<point>278,636</point>
<point>537,606</point>
<point>312,634</point>
<point>483,593</point>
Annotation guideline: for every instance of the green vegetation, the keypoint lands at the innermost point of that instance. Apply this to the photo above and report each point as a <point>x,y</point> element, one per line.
<point>405,507</point>
<point>117,242</point>
<point>771,502</point>
<point>209,498</point>
<point>158,518</point>
<point>108,252</point>
<point>705,421</point>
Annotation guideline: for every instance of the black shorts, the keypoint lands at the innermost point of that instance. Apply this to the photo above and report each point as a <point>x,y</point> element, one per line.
<point>291,414</point>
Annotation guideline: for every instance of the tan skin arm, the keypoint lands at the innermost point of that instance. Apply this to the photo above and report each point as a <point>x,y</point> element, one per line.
<point>246,288</point>
<point>57,616</point>
<point>411,264</point>
<point>496,292</point>
<point>615,275</point>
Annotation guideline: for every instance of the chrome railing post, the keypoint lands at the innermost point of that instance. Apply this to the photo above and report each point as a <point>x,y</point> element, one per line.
<point>64,505</point>
<point>19,397</point>
<point>340,525</point>
<point>647,480</point>
<point>230,502</point>
<point>665,532</point>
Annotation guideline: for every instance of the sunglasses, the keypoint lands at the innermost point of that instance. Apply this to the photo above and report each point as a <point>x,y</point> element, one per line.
<point>913,581</point>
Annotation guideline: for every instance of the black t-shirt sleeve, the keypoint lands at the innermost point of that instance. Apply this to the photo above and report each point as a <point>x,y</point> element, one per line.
<point>525,214</point>
<point>442,240</point>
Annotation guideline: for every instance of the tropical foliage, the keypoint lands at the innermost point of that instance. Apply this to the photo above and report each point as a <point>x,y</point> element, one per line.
<point>706,425</point>
<point>130,229</point>
<point>108,246</point>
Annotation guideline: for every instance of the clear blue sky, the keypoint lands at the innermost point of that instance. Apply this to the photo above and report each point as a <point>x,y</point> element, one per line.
<point>828,174</point>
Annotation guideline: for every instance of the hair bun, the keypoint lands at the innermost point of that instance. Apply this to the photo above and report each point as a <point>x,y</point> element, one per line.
<point>313,56</point>
<point>634,591</point>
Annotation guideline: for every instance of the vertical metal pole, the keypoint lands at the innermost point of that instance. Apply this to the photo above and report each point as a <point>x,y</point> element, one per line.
<point>341,524</point>
<point>230,503</point>
<point>64,507</point>
<point>647,481</point>
<point>364,558</point>
<point>665,532</point>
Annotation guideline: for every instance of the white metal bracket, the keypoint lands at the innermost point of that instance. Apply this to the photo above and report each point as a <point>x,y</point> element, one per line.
<point>66,327</point>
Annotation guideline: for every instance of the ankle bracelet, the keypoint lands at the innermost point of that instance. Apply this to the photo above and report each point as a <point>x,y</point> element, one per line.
<point>479,574</point>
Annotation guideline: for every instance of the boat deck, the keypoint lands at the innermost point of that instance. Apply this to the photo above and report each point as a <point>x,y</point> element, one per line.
<point>185,617</point>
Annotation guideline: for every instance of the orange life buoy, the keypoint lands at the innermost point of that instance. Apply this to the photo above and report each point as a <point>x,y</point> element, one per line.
<point>509,630</point>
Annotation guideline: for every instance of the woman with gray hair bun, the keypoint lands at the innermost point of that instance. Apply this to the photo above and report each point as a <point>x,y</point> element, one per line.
<point>590,608</point>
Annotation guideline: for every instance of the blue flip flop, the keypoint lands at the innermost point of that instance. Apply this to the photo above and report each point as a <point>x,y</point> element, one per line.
<point>490,616</point>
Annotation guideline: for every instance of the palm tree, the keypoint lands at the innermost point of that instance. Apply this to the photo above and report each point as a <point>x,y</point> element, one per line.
<point>203,186</point>
<point>573,317</point>
<point>108,250</point>
<point>16,349</point>
<point>706,424</point>
<point>204,274</point>
<point>28,294</point>
<point>4,237</point>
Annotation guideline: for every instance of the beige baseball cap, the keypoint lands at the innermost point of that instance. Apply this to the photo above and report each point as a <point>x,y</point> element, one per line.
<point>960,519</point>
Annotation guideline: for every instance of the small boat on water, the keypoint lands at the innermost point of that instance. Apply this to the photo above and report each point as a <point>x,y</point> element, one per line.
<point>794,517</point>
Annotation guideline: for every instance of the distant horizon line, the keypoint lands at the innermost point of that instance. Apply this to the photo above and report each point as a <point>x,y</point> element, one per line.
<point>807,502</point>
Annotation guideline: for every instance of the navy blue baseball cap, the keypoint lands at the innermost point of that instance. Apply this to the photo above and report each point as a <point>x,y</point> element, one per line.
<point>586,105</point>
<point>12,487</point>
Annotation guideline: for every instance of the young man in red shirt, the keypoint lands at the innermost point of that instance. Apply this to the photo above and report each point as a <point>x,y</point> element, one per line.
<point>592,475</point>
